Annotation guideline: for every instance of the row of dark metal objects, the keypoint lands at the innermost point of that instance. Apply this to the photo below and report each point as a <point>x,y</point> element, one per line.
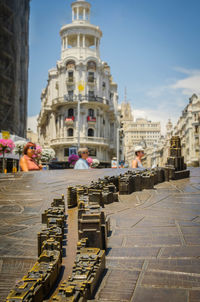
<point>93,230</point>
<point>38,282</point>
<point>104,191</point>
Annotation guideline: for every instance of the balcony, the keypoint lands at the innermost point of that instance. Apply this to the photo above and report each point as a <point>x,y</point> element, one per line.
<point>69,120</point>
<point>91,81</point>
<point>74,98</point>
<point>91,119</point>
<point>70,81</point>
<point>73,140</point>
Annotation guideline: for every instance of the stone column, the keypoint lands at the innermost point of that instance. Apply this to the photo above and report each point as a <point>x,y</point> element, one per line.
<point>84,14</point>
<point>73,15</point>
<point>66,42</point>
<point>78,40</point>
<point>83,41</point>
<point>62,125</point>
<point>77,13</point>
<point>53,134</point>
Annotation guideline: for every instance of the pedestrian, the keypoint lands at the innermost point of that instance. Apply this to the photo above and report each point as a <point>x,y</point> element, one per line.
<point>27,162</point>
<point>82,162</point>
<point>139,153</point>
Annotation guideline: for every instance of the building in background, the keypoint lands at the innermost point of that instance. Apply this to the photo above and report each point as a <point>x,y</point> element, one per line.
<point>80,71</point>
<point>14,58</point>
<point>188,128</point>
<point>140,132</point>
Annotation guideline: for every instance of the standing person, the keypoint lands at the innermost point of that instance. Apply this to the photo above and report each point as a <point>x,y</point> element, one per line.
<point>27,162</point>
<point>139,153</point>
<point>82,162</point>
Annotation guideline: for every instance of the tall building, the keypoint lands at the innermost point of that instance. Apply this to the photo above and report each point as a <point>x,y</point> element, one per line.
<point>80,70</point>
<point>188,129</point>
<point>139,132</point>
<point>14,57</point>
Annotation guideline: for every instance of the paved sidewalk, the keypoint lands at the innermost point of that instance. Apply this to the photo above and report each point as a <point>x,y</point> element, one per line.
<point>154,249</point>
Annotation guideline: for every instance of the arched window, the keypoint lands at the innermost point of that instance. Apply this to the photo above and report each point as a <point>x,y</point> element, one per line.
<point>70,64</point>
<point>70,112</point>
<point>91,65</point>
<point>91,112</point>
<point>90,132</point>
<point>70,132</point>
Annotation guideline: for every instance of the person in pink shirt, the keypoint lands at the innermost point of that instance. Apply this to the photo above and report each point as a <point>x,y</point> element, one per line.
<point>27,162</point>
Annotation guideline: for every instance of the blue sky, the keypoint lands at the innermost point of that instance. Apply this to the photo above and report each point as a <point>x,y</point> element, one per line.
<point>152,47</point>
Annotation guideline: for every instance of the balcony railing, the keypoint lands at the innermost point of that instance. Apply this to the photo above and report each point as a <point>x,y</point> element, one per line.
<point>83,140</point>
<point>91,119</point>
<point>74,98</point>
<point>70,80</point>
<point>69,120</point>
<point>91,81</point>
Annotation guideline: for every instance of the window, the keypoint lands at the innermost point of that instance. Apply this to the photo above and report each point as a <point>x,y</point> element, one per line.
<point>91,112</point>
<point>70,132</point>
<point>91,65</point>
<point>70,76</point>
<point>70,93</point>
<point>91,77</point>
<point>66,151</point>
<point>90,132</point>
<point>70,112</point>
<point>70,64</point>
<point>91,96</point>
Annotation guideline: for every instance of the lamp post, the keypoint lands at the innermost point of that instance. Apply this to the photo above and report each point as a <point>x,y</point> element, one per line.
<point>80,89</point>
<point>118,136</point>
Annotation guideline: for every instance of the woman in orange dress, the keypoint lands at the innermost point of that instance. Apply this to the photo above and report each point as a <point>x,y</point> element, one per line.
<point>27,162</point>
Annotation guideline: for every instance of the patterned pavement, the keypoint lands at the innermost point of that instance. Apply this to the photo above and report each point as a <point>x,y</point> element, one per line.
<point>154,248</point>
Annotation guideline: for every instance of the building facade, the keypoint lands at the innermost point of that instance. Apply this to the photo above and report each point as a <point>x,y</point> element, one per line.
<point>188,128</point>
<point>80,102</point>
<point>14,58</point>
<point>140,132</point>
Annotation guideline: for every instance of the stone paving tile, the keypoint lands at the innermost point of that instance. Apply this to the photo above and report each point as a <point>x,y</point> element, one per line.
<point>135,252</point>
<point>144,294</point>
<point>11,270</point>
<point>191,265</point>
<point>119,285</point>
<point>181,252</point>
<point>124,263</point>
<point>170,279</point>
<point>194,296</point>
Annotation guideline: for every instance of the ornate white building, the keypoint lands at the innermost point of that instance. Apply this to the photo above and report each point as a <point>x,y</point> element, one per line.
<point>139,132</point>
<point>80,71</point>
<point>188,128</point>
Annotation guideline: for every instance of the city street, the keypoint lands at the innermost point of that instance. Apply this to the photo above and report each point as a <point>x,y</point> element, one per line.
<point>154,248</point>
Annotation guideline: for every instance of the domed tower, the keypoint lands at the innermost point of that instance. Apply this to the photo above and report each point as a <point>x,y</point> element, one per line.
<point>80,38</point>
<point>68,120</point>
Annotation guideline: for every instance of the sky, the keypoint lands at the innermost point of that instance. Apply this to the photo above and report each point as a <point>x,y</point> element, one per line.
<point>151,46</point>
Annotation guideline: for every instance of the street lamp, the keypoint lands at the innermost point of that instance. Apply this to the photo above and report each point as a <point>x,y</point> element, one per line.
<point>80,89</point>
<point>118,137</point>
